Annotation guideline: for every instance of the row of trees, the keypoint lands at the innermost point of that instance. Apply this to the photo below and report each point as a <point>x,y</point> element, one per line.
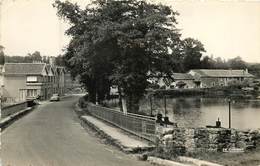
<point>29,58</point>
<point>185,63</point>
<point>219,63</point>
<point>126,42</point>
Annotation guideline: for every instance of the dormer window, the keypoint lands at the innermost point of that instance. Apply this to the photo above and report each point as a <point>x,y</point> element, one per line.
<point>31,79</point>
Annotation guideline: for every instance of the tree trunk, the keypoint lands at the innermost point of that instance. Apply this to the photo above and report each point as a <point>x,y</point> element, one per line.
<point>132,104</point>
<point>92,96</point>
<point>120,100</point>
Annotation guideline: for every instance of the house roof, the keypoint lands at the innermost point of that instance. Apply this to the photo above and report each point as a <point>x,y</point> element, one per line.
<point>182,76</point>
<point>24,68</point>
<point>50,70</point>
<point>221,73</point>
<point>60,69</point>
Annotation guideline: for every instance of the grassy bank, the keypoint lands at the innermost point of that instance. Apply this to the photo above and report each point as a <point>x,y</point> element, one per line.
<point>250,158</point>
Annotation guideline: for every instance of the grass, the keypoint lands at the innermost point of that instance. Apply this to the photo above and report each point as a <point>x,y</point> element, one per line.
<point>249,158</point>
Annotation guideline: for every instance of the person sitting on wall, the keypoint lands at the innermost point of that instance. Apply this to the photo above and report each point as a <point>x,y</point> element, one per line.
<point>159,119</point>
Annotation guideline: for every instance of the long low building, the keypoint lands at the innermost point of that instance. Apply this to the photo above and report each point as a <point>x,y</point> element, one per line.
<point>206,78</point>
<point>31,80</point>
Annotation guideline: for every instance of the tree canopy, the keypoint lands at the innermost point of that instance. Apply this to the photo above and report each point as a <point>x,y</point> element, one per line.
<point>191,50</point>
<point>36,56</point>
<point>126,42</point>
<point>121,42</point>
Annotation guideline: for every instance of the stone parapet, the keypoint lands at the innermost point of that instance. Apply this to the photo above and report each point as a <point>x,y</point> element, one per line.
<point>183,140</point>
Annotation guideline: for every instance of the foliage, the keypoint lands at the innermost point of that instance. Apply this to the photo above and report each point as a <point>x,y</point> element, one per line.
<point>34,57</point>
<point>254,69</point>
<point>219,63</point>
<point>59,60</point>
<point>192,50</point>
<point>237,63</point>
<point>123,42</point>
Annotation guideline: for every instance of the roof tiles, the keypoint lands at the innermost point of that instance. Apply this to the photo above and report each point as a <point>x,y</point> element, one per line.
<point>222,73</point>
<point>24,68</point>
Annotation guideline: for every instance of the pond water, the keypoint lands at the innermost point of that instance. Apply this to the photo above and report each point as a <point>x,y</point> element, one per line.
<point>199,112</point>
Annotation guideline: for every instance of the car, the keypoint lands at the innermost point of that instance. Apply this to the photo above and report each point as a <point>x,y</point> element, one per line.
<point>55,97</point>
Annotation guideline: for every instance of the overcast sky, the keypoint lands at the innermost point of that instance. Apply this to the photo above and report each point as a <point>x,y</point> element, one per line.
<point>226,28</point>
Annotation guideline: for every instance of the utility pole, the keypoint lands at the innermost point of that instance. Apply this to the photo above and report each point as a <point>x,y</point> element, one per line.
<point>229,113</point>
<point>165,107</point>
<point>151,105</point>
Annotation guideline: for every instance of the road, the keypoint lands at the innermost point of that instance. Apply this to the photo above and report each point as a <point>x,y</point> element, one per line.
<point>52,136</point>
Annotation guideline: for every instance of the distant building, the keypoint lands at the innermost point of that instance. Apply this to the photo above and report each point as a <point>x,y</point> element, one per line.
<point>179,81</point>
<point>207,78</point>
<point>30,80</point>
<point>182,81</point>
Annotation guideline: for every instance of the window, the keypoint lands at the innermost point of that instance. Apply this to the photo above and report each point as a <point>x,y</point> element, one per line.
<point>31,79</point>
<point>31,92</point>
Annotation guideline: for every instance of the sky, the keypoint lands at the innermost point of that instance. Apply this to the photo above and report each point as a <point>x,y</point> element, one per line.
<point>226,28</point>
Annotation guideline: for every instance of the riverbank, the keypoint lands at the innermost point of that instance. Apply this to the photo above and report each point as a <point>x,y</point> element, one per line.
<point>247,158</point>
<point>197,111</point>
<point>250,158</point>
<point>227,92</point>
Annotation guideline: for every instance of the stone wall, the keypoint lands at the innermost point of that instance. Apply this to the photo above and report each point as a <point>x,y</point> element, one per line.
<point>183,140</point>
<point>12,109</point>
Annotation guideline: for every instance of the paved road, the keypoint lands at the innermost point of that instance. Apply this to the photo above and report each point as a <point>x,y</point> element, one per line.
<point>52,136</point>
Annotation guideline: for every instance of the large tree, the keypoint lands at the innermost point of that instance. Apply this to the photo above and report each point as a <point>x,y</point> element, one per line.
<point>192,50</point>
<point>123,42</point>
<point>237,63</point>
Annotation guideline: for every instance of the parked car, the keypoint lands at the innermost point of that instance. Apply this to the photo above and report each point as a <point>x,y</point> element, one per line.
<point>55,97</point>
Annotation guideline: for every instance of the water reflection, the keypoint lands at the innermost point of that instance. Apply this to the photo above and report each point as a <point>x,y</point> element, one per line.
<point>199,112</point>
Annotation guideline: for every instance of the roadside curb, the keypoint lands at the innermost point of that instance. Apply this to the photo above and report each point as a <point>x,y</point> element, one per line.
<point>163,162</point>
<point>197,162</point>
<point>87,124</point>
<point>102,134</point>
<point>10,119</point>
